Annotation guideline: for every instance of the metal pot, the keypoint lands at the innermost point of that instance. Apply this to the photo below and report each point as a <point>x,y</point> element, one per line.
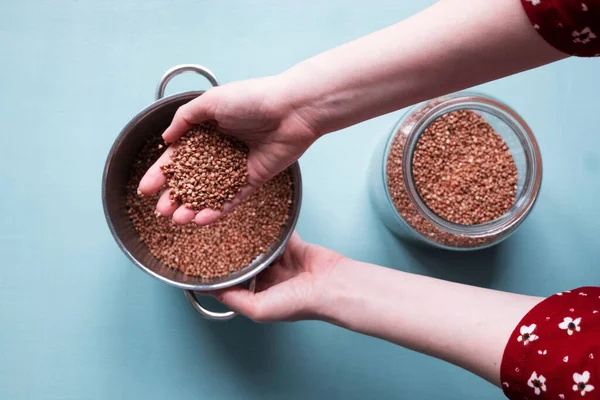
<point>152,121</point>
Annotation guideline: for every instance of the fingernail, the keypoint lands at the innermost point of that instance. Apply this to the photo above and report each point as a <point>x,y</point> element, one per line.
<point>139,193</point>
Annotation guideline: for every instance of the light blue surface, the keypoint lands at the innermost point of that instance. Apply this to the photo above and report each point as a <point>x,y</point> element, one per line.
<point>78,321</point>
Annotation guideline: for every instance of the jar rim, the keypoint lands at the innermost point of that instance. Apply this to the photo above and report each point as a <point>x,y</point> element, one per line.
<point>433,109</point>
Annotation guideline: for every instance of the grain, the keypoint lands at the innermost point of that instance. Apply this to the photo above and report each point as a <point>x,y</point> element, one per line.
<point>463,170</point>
<point>207,169</point>
<point>218,249</point>
<point>446,187</point>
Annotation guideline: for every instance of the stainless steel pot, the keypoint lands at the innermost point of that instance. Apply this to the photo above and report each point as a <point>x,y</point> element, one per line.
<point>152,121</point>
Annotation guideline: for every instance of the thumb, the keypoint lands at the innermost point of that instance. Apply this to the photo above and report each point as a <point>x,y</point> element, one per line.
<point>193,113</point>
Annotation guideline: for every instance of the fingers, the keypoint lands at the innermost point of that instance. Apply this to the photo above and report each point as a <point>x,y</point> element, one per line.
<point>242,301</point>
<point>154,179</point>
<point>270,305</point>
<point>208,216</point>
<point>169,209</point>
<point>183,215</point>
<point>188,115</point>
<point>281,293</point>
<point>285,301</point>
<point>165,206</point>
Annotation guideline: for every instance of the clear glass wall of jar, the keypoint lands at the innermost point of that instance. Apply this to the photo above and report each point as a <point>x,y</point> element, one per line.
<point>410,218</point>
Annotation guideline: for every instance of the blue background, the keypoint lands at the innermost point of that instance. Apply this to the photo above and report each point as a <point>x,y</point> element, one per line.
<point>78,321</point>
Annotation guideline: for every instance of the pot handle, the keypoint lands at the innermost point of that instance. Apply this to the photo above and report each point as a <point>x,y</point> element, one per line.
<point>179,69</point>
<point>213,315</point>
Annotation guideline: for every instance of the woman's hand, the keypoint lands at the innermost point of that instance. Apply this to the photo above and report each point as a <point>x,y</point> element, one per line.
<point>257,112</point>
<point>464,325</point>
<point>294,288</point>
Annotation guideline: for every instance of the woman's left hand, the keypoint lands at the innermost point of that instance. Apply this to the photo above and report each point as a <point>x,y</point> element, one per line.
<point>291,289</point>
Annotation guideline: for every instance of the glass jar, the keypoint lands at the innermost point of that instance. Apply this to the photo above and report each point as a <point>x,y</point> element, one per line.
<point>410,218</point>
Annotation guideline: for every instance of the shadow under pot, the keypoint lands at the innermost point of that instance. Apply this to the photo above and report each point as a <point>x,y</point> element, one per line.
<point>409,205</point>
<point>151,123</point>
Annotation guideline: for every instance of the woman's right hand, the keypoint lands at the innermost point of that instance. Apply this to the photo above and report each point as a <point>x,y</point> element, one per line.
<point>258,112</point>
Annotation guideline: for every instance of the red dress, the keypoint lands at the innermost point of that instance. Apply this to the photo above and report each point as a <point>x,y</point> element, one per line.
<point>554,352</point>
<point>571,26</point>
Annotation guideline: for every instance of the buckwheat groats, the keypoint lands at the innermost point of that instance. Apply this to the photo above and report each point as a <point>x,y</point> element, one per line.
<point>207,169</point>
<point>218,249</point>
<point>462,170</point>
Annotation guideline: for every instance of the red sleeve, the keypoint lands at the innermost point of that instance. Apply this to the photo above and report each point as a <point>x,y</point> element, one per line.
<point>571,26</point>
<point>554,352</point>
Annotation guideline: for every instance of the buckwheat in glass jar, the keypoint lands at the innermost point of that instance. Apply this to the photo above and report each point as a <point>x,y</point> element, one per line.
<point>458,172</point>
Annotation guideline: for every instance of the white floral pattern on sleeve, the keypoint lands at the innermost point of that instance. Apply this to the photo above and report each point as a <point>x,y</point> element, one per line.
<point>570,325</point>
<point>581,383</point>
<point>538,383</point>
<point>527,334</point>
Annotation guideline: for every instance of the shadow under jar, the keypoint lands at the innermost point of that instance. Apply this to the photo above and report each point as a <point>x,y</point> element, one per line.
<point>406,214</point>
